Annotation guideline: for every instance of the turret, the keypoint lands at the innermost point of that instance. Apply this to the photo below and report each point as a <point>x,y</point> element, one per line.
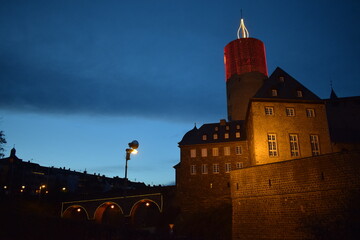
<point>246,70</point>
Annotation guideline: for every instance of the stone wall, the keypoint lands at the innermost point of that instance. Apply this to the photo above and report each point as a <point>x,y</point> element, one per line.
<point>298,199</point>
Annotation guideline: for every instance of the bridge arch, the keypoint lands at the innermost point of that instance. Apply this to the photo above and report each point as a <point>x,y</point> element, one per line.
<point>76,212</point>
<point>145,213</point>
<point>109,213</point>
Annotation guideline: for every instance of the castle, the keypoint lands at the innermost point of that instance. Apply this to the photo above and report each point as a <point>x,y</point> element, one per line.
<point>280,144</point>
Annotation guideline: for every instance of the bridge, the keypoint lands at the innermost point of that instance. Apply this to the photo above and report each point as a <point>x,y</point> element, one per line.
<point>139,209</point>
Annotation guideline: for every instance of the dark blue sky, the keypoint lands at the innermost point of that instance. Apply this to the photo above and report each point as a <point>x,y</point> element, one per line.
<point>80,79</point>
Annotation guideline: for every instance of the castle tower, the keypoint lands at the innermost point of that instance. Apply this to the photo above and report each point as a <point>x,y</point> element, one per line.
<point>246,70</point>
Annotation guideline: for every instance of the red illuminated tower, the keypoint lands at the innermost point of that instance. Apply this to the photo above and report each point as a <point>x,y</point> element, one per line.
<point>246,70</point>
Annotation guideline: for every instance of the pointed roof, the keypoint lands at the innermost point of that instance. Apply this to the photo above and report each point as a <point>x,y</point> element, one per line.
<point>280,85</point>
<point>333,94</point>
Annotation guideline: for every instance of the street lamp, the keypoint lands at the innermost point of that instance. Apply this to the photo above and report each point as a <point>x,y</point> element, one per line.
<point>131,150</point>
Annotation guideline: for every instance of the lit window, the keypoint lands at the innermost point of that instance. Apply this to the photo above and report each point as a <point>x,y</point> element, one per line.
<point>272,145</point>
<point>192,169</point>
<point>204,152</point>
<point>237,134</point>
<point>290,112</point>
<point>215,136</point>
<point>238,150</point>
<point>193,153</point>
<point>204,137</point>
<point>216,128</point>
<point>216,168</point>
<point>274,92</point>
<point>238,127</point>
<point>315,145</point>
<point>294,145</point>
<point>310,112</point>
<point>226,136</point>
<point>215,152</point>
<point>282,79</point>
<point>226,151</point>
<point>227,127</point>
<point>299,93</point>
<point>269,111</point>
<point>239,165</point>
<point>204,169</point>
<point>227,167</point>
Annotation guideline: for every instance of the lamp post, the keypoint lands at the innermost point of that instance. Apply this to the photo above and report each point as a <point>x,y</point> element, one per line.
<point>131,150</point>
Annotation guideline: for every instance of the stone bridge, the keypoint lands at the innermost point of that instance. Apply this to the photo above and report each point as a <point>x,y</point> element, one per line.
<point>107,209</point>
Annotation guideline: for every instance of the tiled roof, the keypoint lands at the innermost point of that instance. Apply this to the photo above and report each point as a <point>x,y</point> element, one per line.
<point>286,88</point>
<point>196,136</point>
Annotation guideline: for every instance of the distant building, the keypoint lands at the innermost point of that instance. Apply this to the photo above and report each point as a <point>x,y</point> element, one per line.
<point>18,177</point>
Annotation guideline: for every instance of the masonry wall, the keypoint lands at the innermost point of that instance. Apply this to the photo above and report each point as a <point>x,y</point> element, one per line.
<point>260,125</point>
<point>205,190</point>
<point>298,199</point>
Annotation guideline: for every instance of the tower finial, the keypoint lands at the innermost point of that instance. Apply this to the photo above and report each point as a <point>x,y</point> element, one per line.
<point>243,29</point>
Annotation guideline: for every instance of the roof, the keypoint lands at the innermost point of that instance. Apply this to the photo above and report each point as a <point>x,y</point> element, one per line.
<point>286,87</point>
<point>195,135</point>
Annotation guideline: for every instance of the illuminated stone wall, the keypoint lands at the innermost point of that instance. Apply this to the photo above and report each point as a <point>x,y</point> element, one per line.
<point>201,190</point>
<point>260,125</point>
<point>297,199</point>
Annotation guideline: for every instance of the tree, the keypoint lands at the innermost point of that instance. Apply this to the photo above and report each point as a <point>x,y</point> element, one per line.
<point>2,142</point>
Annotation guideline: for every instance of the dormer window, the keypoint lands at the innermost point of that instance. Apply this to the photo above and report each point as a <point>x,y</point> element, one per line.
<point>274,92</point>
<point>281,79</point>
<point>215,136</point>
<point>204,137</point>
<point>299,93</point>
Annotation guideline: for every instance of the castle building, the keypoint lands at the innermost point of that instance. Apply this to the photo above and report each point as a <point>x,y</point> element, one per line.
<point>271,119</point>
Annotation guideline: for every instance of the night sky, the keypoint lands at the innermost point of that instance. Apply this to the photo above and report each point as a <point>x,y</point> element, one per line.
<point>81,79</point>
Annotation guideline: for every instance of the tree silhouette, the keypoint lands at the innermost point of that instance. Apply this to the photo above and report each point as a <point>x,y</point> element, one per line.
<point>2,142</point>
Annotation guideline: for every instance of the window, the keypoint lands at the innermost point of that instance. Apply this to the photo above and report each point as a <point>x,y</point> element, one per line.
<point>216,168</point>
<point>274,92</point>
<point>269,111</point>
<point>299,93</point>
<point>238,150</point>
<point>204,137</point>
<point>239,165</point>
<point>272,145</point>
<point>227,167</point>
<point>310,112</point>
<point>204,152</point>
<point>215,152</point>
<point>226,135</point>
<point>294,145</point>
<point>192,169</point>
<point>290,112</point>
<point>216,128</point>
<point>227,127</point>
<point>237,134</point>
<point>193,153</point>
<point>227,151</point>
<point>238,127</point>
<point>204,169</point>
<point>215,136</point>
<point>315,145</point>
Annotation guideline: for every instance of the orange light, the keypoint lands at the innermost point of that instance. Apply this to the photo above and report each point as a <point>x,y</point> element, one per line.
<point>21,190</point>
<point>112,206</point>
<point>78,210</point>
<point>43,186</point>
<point>147,204</point>
<point>64,189</point>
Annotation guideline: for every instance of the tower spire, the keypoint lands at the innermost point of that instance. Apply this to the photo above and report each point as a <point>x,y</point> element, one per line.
<point>242,29</point>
